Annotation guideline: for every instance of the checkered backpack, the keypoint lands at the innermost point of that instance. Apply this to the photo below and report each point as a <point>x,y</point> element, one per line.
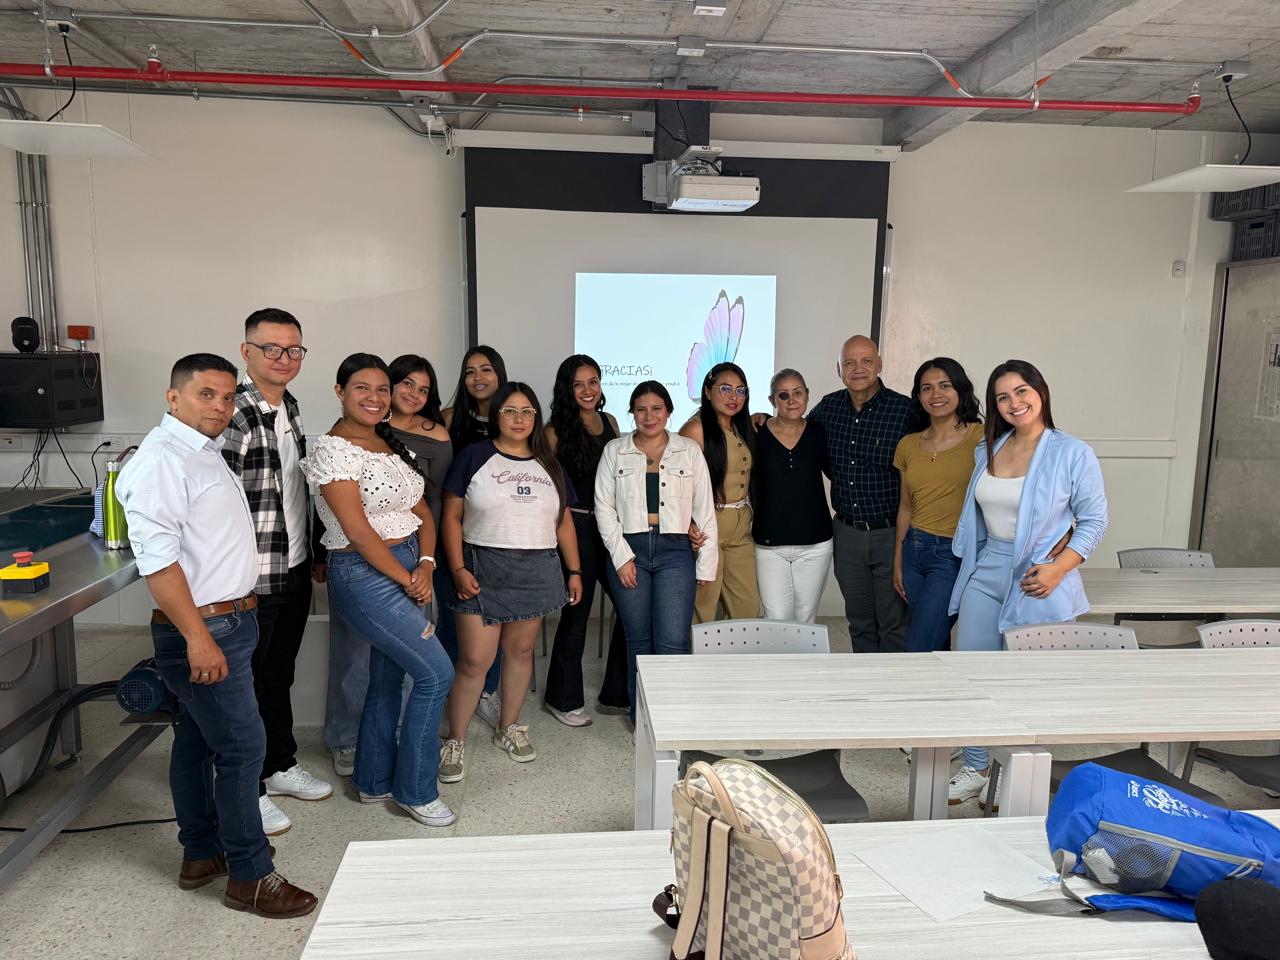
<point>756,877</point>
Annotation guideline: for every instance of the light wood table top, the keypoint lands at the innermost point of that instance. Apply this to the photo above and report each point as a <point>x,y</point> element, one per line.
<point>785,702</point>
<point>1117,696</point>
<point>587,896</point>
<point>1195,590</point>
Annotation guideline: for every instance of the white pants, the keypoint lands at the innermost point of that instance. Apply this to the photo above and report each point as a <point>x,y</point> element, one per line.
<point>791,580</point>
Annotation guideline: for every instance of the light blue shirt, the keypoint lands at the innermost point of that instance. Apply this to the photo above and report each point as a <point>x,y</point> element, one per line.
<point>1063,486</point>
<point>184,505</point>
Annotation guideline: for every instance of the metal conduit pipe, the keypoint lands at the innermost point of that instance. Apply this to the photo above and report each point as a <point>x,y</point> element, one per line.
<point>197,94</point>
<point>46,233</point>
<point>532,78</point>
<point>35,309</point>
<point>181,19</point>
<point>375,33</point>
<point>158,74</point>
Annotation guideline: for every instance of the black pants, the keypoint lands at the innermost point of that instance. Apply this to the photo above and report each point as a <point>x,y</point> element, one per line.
<point>282,617</point>
<point>564,672</point>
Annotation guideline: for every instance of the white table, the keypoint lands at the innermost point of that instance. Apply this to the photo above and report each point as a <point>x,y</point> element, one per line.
<point>587,897</point>
<point>1183,592</point>
<point>803,702</point>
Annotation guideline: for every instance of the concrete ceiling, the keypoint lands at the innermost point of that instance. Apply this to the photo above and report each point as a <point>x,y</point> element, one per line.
<point>993,46</point>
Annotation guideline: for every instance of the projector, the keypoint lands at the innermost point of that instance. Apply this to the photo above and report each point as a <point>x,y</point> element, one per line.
<point>694,182</point>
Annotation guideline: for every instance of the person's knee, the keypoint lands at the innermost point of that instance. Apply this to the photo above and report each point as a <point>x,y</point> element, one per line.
<point>472,661</point>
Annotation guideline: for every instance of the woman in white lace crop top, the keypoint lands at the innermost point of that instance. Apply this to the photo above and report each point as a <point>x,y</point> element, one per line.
<point>381,538</point>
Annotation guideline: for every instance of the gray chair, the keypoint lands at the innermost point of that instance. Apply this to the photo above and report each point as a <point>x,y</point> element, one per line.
<point>1091,636</point>
<point>1258,771</point>
<point>814,776</point>
<point>1165,558</point>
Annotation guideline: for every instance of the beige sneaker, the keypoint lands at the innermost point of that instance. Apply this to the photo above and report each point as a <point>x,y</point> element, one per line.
<point>451,761</point>
<point>515,740</point>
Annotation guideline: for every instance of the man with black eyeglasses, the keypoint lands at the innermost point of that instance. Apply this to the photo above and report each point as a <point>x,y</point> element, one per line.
<point>264,445</point>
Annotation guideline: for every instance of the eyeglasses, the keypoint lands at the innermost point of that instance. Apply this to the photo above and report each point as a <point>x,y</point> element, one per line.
<point>784,395</point>
<point>729,390</point>
<point>273,351</point>
<point>518,413</point>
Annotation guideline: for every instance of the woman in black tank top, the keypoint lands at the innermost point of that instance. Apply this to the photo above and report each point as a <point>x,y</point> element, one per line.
<point>578,430</point>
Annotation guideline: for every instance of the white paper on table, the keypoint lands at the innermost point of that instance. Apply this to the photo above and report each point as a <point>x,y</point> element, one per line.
<point>946,872</point>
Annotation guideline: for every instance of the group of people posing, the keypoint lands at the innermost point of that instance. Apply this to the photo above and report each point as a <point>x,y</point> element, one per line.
<point>446,535</point>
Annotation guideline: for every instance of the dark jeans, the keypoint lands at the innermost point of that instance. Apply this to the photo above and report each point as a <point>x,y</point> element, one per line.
<point>282,618</point>
<point>929,571</point>
<point>564,672</point>
<point>657,612</point>
<point>447,627</point>
<point>864,569</point>
<point>218,745</point>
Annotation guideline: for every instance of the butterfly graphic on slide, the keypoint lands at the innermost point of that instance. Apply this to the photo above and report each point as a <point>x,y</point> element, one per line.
<point>720,339</point>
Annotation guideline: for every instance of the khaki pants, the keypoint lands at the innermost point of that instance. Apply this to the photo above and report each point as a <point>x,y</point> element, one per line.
<point>734,587</point>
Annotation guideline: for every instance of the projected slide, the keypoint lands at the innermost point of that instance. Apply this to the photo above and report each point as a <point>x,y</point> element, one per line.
<point>673,328</point>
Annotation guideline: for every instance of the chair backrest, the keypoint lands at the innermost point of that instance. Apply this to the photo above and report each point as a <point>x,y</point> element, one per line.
<point>760,636</point>
<point>1240,633</point>
<point>1070,636</point>
<point>1163,558</point>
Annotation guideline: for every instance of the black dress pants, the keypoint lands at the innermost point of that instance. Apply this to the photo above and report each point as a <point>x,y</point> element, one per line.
<point>282,618</point>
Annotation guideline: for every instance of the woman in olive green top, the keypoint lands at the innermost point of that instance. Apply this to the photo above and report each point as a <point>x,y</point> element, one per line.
<point>935,460</point>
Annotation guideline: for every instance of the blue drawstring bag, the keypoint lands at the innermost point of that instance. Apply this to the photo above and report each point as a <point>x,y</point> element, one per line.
<point>1154,845</point>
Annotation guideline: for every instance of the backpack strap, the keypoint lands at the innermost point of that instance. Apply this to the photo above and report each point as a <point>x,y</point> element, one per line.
<point>1072,904</point>
<point>708,773</point>
<point>717,888</point>
<point>689,918</point>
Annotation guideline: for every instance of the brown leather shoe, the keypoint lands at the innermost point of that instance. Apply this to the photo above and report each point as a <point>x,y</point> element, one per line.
<point>272,897</point>
<point>197,873</point>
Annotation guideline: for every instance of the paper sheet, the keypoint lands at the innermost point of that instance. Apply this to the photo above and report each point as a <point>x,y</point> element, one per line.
<point>946,873</point>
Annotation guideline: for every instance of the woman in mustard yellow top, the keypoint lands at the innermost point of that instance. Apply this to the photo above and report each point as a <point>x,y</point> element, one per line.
<point>935,460</point>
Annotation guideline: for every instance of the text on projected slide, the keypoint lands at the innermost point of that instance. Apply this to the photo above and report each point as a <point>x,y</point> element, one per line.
<point>674,328</point>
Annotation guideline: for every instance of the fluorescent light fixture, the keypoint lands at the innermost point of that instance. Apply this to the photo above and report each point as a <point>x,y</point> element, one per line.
<point>69,140</point>
<point>691,47</point>
<point>709,8</point>
<point>1212,178</point>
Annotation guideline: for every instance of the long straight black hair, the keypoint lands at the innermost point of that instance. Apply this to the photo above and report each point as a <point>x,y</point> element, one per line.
<point>997,425</point>
<point>539,446</point>
<point>369,361</point>
<point>409,363</point>
<point>573,443</point>
<point>714,448</point>
<point>966,412</point>
<point>463,404</point>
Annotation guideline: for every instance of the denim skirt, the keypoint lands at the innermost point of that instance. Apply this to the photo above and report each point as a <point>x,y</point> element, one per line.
<point>514,584</point>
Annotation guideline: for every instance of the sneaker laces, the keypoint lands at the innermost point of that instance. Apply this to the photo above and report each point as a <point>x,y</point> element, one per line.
<point>517,734</point>
<point>271,884</point>
<point>451,752</point>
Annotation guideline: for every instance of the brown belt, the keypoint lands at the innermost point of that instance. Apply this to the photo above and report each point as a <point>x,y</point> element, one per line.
<point>212,610</point>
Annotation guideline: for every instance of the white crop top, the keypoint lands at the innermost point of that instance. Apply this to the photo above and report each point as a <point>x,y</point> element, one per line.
<point>998,498</point>
<point>389,488</point>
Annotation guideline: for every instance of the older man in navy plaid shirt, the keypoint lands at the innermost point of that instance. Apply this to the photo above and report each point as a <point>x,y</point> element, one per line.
<point>864,423</point>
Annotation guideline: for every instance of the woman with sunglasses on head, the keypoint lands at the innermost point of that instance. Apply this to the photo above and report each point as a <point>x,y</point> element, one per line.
<point>651,485</point>
<point>577,433</point>
<point>1030,484</point>
<point>935,460</point>
<point>792,524</point>
<point>380,537</point>
<point>722,429</point>
<point>506,526</point>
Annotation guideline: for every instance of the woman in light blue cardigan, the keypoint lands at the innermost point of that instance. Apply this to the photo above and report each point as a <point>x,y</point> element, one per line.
<point>1031,483</point>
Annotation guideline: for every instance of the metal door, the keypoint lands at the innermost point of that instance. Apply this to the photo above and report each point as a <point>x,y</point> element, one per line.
<point>1241,514</point>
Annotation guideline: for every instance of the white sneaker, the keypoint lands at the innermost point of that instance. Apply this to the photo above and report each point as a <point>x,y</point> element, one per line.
<point>274,821</point>
<point>570,718</point>
<point>966,784</point>
<point>296,782</point>
<point>344,761</point>
<point>433,814</point>
<point>489,709</point>
<point>375,797</point>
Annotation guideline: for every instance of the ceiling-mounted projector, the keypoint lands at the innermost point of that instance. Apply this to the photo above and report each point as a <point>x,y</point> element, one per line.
<point>693,182</point>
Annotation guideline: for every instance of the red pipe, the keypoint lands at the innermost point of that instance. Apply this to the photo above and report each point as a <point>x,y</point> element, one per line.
<point>157,74</point>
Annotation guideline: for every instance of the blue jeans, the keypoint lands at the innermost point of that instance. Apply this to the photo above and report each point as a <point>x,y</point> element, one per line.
<point>929,571</point>
<point>401,642</point>
<point>447,628</point>
<point>348,682</point>
<point>657,613</point>
<point>980,604</point>
<point>218,747</point>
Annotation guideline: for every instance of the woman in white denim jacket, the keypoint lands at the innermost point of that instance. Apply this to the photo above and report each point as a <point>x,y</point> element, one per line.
<point>649,486</point>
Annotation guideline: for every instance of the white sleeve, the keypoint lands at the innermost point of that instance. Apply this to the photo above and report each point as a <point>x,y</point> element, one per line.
<point>153,491</point>
<point>606,511</point>
<point>704,515</point>
<point>331,460</point>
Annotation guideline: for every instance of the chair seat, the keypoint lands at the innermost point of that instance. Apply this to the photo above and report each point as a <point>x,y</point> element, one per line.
<point>816,777</point>
<point>1140,764</point>
<point>1258,771</point>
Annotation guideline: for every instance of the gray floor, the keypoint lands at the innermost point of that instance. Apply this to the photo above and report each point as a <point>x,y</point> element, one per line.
<point>113,893</point>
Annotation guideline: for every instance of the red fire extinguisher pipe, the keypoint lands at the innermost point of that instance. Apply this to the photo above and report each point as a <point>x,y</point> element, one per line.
<point>155,73</point>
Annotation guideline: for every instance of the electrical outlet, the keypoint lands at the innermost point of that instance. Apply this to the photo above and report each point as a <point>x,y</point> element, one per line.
<point>11,442</point>
<point>113,444</point>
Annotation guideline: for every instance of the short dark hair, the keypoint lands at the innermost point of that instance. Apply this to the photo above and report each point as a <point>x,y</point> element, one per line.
<point>194,363</point>
<point>270,315</point>
<point>654,387</point>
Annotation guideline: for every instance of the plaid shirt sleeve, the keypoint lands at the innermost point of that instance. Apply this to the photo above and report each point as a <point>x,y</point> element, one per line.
<point>237,443</point>
<point>250,452</point>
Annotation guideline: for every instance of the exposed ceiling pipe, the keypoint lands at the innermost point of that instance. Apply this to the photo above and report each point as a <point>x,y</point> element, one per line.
<point>534,78</point>
<point>155,73</point>
<point>375,33</point>
<point>182,20</point>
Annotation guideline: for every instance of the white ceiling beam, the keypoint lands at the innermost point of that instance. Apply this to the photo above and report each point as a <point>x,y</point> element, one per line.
<point>1068,30</point>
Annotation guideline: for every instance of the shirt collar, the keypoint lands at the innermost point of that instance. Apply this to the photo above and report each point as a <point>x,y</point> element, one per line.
<point>189,436</point>
<point>871,401</point>
<point>251,390</point>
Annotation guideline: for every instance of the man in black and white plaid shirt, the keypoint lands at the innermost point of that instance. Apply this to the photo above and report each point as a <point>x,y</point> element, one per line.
<point>264,445</point>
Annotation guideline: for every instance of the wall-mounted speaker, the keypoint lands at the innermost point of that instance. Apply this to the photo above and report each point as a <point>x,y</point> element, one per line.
<point>26,334</point>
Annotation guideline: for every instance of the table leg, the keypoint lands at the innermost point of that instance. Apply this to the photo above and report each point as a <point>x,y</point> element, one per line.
<point>1025,782</point>
<point>656,772</point>
<point>927,791</point>
<point>64,645</point>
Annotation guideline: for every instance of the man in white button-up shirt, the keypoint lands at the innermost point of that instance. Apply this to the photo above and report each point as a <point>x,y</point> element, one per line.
<point>193,539</point>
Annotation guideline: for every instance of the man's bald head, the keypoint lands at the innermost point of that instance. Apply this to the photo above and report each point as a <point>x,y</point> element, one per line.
<point>859,365</point>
